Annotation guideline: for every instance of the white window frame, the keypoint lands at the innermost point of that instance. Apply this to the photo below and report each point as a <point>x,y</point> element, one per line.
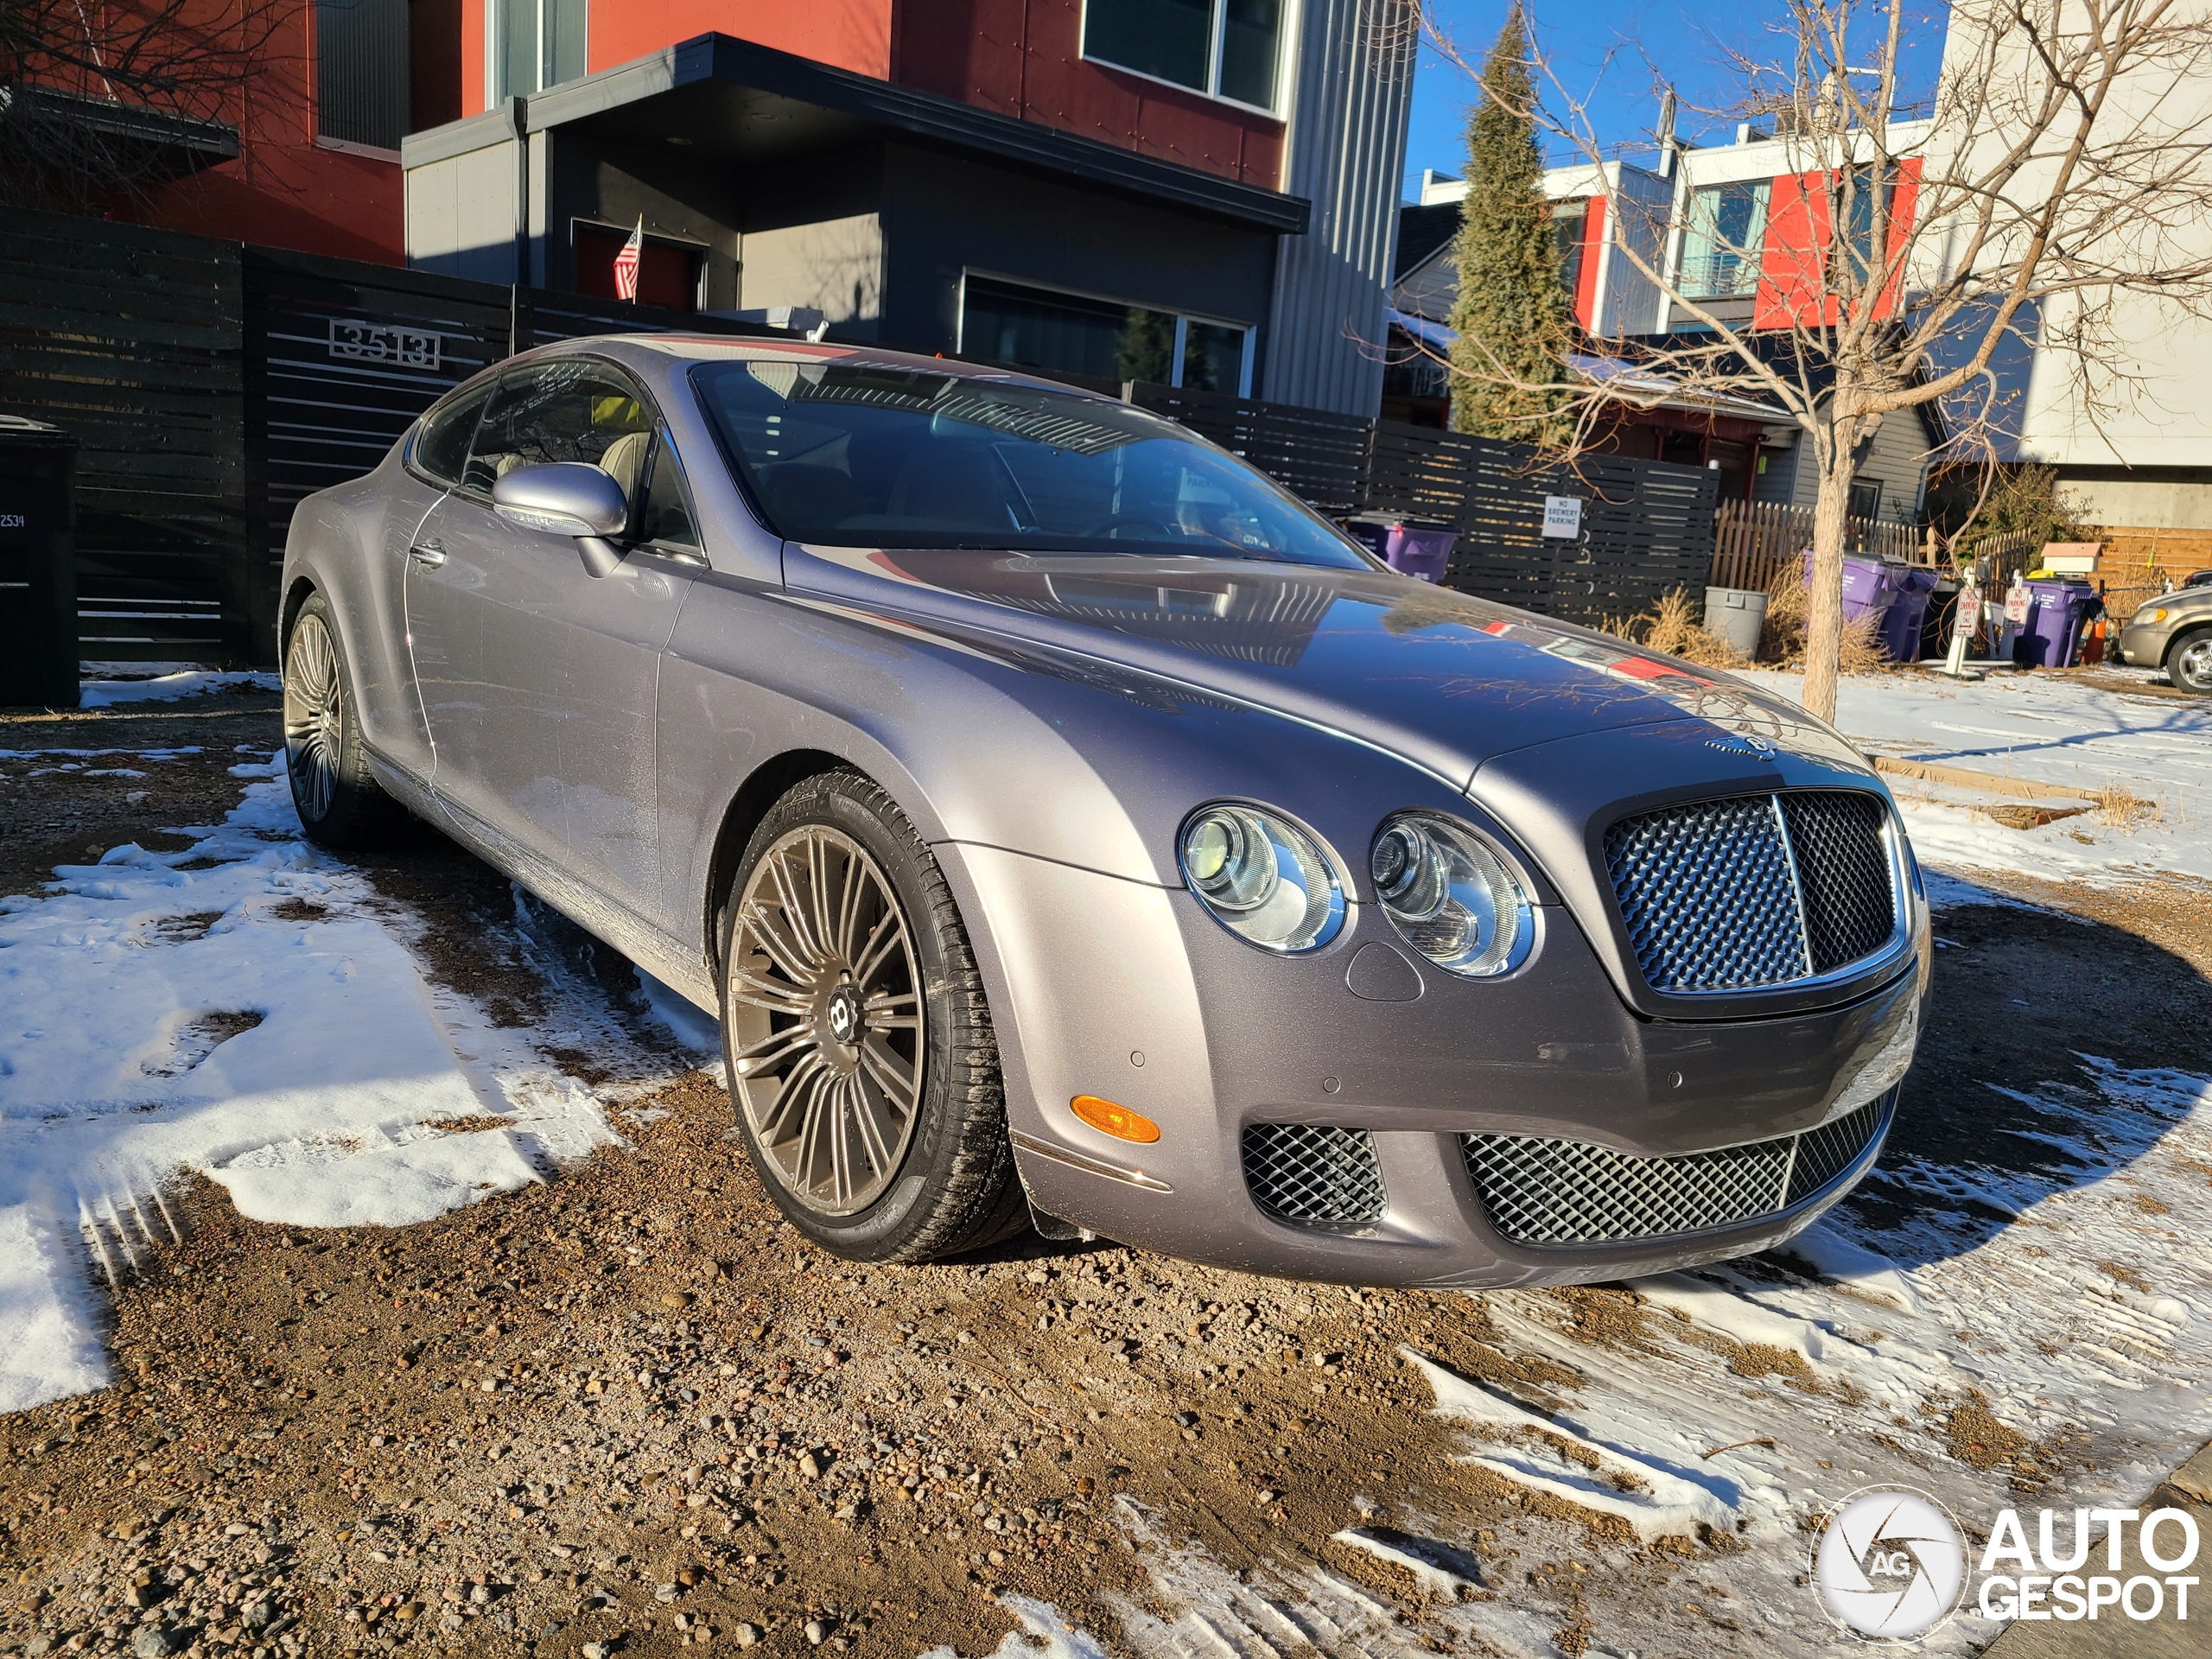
<point>1183,321</point>
<point>1286,58</point>
<point>495,17</point>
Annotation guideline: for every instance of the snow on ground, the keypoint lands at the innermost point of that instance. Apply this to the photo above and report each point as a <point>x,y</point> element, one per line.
<point>245,1009</point>
<point>2041,728</point>
<point>180,682</point>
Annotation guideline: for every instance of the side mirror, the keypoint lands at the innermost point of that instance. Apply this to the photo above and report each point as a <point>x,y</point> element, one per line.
<point>567,497</point>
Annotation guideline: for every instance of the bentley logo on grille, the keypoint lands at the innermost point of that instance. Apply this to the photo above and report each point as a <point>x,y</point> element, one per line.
<point>1757,747</point>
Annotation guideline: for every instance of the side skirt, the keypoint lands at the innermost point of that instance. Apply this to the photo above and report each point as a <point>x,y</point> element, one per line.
<point>600,917</point>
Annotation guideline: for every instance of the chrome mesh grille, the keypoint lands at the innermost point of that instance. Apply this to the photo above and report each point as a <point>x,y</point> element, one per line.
<point>1843,871</point>
<point>1826,1152</point>
<point>1312,1175</point>
<point>1543,1192</point>
<point>1753,890</point>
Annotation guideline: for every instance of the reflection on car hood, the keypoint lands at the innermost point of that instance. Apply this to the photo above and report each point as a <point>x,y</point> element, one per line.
<point>1446,680</point>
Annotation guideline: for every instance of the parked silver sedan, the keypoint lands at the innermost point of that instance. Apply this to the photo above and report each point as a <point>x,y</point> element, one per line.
<point>1070,829</point>
<point>2173,632</point>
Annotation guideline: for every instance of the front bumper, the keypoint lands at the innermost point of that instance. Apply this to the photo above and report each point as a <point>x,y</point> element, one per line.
<point>2144,646</point>
<point>1099,993</point>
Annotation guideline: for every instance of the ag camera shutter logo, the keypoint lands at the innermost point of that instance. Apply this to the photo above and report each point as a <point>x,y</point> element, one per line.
<point>1890,1564</point>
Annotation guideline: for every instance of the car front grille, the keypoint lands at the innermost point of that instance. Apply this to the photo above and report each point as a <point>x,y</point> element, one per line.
<point>1542,1191</point>
<point>1755,890</point>
<point>1313,1176</point>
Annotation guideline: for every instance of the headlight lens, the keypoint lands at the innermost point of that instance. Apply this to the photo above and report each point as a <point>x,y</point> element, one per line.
<point>1263,878</point>
<point>1449,897</point>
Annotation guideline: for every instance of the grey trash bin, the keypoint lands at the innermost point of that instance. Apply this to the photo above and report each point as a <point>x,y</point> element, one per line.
<point>1736,614</point>
<point>38,564</point>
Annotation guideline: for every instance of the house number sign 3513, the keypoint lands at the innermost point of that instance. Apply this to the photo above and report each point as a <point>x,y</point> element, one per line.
<point>372,342</point>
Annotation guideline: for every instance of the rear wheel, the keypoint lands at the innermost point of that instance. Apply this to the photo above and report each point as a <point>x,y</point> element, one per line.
<point>2190,664</point>
<point>340,804</point>
<point>861,1059</point>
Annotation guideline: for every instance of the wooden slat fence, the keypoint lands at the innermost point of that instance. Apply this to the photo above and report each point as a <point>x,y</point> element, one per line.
<point>541,317</point>
<point>215,387</point>
<point>1647,526</point>
<point>1319,456</point>
<point>133,340</point>
<point>1755,543</point>
<point>340,358</point>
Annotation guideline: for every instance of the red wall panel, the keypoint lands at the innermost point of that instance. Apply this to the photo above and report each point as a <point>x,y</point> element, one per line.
<point>1021,58</point>
<point>285,190</point>
<point>1793,283</point>
<point>1024,58</point>
<point>436,75</point>
<point>1585,269</point>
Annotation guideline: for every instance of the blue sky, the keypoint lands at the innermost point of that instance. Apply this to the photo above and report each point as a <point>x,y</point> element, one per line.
<point>1609,51</point>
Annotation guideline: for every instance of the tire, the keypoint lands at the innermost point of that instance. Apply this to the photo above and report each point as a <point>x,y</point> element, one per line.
<point>891,1147</point>
<point>340,804</point>
<point>2188,664</point>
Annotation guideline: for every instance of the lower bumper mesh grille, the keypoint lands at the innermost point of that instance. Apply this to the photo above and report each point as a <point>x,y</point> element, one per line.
<point>1542,1192</point>
<point>1314,1176</point>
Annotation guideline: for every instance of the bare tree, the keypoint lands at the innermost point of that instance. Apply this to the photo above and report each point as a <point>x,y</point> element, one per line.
<point>2048,197</point>
<point>93,93</point>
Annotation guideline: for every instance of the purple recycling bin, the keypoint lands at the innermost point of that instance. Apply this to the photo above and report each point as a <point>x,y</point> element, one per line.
<point>2057,607</point>
<point>1869,587</point>
<point>1373,534</point>
<point>1423,553</point>
<point>1901,623</point>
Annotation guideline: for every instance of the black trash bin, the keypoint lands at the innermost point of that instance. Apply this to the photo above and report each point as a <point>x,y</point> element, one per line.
<point>38,564</point>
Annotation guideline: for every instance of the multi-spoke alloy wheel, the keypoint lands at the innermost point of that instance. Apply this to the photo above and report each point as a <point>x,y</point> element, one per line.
<point>826,1029</point>
<point>2192,663</point>
<point>861,1058</point>
<point>314,724</point>
<point>340,801</point>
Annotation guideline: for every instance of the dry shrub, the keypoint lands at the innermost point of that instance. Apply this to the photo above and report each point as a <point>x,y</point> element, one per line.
<point>1668,626</point>
<point>1781,637</point>
<point>2121,808</point>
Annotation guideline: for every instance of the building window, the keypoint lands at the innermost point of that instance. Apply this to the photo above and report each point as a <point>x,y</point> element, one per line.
<point>1866,498</point>
<point>1723,244</point>
<point>1567,220</point>
<point>1224,48</point>
<point>361,71</point>
<point>534,44</point>
<point>1103,340</point>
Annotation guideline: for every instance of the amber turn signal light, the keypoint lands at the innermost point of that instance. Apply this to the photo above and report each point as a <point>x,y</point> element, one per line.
<point>1117,1121</point>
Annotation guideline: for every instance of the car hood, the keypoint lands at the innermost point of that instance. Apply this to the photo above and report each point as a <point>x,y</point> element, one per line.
<point>1445,680</point>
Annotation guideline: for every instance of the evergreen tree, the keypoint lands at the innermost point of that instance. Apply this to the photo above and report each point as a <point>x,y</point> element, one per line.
<point>1511,313</point>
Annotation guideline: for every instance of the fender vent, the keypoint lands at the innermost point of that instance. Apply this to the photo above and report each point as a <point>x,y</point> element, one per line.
<point>1313,1176</point>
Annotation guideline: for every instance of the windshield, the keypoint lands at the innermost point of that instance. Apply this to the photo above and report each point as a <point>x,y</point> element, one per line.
<point>852,455</point>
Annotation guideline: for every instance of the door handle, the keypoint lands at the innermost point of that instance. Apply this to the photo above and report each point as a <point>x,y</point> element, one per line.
<point>430,555</point>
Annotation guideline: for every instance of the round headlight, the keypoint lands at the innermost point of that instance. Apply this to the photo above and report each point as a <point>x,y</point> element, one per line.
<point>1449,897</point>
<point>1263,878</point>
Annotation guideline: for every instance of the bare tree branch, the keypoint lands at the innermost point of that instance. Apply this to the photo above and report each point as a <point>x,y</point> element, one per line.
<point>2050,197</point>
<point>91,91</point>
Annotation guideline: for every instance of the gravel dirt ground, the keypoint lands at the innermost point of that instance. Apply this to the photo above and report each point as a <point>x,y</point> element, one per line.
<point>626,1411</point>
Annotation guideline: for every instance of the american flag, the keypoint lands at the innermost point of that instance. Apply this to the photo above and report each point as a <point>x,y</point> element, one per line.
<point>626,262</point>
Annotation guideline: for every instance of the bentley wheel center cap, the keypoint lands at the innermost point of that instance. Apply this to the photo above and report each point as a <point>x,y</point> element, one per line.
<point>844,1013</point>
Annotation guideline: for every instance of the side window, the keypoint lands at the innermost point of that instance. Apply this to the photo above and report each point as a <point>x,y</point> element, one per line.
<point>441,447</point>
<point>668,516</point>
<point>565,410</point>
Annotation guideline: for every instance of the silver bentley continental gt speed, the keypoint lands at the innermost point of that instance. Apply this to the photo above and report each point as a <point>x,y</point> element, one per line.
<point>1070,829</point>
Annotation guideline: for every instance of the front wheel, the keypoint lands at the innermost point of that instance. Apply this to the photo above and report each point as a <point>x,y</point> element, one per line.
<point>2190,666</point>
<point>861,1059</point>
